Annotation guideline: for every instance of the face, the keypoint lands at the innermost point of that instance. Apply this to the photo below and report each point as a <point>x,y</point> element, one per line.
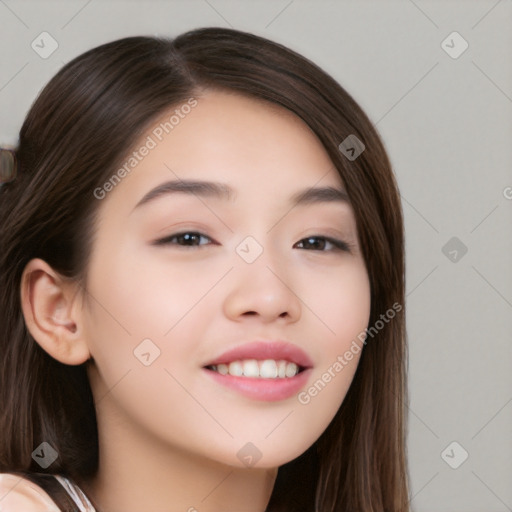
<point>176,279</point>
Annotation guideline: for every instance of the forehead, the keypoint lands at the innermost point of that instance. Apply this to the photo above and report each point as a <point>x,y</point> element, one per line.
<point>257,147</point>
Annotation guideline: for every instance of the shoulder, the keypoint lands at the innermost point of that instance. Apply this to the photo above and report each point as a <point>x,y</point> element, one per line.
<point>18,494</point>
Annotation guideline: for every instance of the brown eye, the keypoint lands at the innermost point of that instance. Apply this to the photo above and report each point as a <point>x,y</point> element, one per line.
<point>312,241</point>
<point>184,239</point>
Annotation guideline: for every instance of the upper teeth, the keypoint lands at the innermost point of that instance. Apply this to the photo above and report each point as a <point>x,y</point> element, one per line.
<point>268,369</point>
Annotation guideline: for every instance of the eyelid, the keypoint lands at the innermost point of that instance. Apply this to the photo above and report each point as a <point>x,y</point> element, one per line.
<point>165,239</point>
<point>340,245</point>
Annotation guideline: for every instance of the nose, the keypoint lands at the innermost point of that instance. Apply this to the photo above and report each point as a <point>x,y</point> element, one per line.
<point>262,289</point>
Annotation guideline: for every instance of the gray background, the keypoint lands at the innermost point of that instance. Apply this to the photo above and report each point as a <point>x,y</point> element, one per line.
<point>447,125</point>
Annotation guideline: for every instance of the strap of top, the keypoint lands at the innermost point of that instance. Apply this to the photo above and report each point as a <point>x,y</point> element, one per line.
<point>81,500</point>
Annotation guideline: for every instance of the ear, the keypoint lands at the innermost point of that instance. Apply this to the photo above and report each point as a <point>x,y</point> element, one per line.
<point>51,307</point>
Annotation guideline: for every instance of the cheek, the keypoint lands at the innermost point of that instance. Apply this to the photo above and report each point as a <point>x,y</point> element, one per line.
<point>142,319</point>
<point>142,343</point>
<point>138,299</point>
<point>342,305</point>
<point>344,310</point>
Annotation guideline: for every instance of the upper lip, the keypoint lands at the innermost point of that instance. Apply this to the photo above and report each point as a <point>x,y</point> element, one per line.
<point>272,349</point>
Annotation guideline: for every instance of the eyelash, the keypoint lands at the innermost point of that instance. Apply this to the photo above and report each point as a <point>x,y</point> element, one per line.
<point>339,245</point>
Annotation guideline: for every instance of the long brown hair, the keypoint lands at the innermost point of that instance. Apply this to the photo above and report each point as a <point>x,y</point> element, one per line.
<point>76,133</point>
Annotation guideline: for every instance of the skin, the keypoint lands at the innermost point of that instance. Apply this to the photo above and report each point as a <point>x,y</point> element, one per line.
<point>169,435</point>
<point>18,493</point>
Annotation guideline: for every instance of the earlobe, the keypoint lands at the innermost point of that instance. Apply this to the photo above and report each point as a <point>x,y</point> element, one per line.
<point>51,310</point>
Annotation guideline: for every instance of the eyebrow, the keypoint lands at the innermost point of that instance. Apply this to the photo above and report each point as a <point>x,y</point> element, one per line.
<point>224,192</point>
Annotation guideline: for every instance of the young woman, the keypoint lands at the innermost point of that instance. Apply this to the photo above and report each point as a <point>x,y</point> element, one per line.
<point>202,274</point>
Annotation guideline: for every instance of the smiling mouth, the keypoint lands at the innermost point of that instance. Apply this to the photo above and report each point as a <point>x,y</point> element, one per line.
<point>258,369</point>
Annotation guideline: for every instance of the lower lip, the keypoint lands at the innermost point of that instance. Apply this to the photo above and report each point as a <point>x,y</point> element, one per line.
<point>266,390</point>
